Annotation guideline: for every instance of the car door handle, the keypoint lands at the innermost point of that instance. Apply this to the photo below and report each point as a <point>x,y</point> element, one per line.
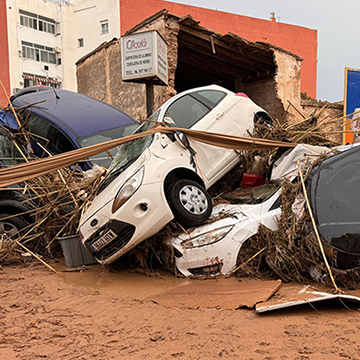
<point>219,115</point>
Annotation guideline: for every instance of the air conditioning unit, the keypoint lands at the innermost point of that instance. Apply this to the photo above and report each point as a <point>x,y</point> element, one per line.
<point>46,67</point>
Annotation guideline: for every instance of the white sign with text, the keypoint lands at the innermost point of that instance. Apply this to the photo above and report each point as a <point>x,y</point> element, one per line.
<point>144,57</point>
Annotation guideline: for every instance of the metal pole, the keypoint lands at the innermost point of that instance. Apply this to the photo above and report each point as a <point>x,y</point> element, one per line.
<point>149,98</point>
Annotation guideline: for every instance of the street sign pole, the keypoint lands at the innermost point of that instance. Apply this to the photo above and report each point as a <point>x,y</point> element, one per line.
<point>149,98</point>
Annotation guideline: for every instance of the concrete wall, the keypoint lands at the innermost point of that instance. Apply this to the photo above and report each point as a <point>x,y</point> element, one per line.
<point>299,40</point>
<point>264,93</point>
<point>88,15</point>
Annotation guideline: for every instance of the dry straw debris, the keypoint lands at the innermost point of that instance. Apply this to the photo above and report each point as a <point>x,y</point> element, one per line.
<point>56,202</point>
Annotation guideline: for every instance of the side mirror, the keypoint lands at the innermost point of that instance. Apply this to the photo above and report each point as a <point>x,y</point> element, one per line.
<point>181,139</point>
<point>169,121</point>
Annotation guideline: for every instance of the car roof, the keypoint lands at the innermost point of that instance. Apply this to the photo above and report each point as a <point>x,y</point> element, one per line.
<point>79,113</point>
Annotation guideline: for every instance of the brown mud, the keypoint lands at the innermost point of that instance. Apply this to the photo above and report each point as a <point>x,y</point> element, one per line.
<point>95,314</point>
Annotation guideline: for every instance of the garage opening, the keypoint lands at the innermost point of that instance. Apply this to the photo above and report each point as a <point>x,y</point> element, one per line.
<point>204,59</point>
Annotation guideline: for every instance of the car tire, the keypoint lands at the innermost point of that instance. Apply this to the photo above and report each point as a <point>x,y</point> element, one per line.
<point>11,228</point>
<point>276,271</point>
<point>190,203</point>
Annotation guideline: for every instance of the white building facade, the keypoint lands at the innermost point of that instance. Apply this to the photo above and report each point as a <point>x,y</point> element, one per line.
<point>46,38</point>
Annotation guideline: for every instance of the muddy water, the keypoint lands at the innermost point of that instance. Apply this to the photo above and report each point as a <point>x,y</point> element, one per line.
<point>97,315</point>
<point>121,284</point>
<point>139,286</point>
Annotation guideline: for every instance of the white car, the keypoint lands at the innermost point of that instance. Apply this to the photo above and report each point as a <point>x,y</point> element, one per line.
<point>213,249</point>
<point>156,178</point>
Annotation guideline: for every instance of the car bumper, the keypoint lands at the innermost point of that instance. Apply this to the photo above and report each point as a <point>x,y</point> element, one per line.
<point>129,225</point>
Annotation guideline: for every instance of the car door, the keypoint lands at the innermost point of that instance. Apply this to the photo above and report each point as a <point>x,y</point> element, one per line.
<point>201,110</point>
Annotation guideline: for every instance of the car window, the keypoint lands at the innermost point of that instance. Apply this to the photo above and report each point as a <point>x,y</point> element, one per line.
<point>58,141</point>
<point>48,135</point>
<point>213,97</point>
<point>186,111</point>
<point>253,195</point>
<point>40,127</point>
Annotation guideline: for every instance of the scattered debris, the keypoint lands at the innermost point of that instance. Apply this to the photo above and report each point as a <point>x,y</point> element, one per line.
<point>291,296</point>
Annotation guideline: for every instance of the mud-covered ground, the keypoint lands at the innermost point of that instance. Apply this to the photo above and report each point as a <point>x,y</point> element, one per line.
<point>100,315</point>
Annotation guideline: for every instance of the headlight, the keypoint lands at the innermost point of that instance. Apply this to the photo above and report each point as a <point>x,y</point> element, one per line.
<point>208,238</point>
<point>128,189</point>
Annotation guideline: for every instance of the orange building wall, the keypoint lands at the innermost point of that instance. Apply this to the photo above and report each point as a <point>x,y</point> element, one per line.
<point>4,55</point>
<point>299,40</point>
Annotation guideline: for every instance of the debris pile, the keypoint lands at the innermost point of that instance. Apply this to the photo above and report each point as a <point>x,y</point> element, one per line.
<point>55,202</point>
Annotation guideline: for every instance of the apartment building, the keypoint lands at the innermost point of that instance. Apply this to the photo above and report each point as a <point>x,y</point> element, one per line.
<point>41,40</point>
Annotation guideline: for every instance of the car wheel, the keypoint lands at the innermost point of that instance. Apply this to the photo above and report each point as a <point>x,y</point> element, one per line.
<point>10,228</point>
<point>262,118</point>
<point>190,203</point>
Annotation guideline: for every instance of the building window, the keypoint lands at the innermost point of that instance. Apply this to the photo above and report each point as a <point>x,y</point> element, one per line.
<point>38,52</point>
<point>104,27</point>
<point>37,22</point>
<point>81,42</point>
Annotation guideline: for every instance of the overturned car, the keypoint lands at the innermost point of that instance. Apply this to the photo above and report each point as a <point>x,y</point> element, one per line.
<point>157,178</point>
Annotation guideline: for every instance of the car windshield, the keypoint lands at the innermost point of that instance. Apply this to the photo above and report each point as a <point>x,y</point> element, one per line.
<point>128,153</point>
<point>155,115</point>
<point>9,154</point>
<point>104,159</point>
<point>253,195</point>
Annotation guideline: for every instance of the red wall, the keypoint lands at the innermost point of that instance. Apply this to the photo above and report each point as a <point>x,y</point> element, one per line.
<point>299,40</point>
<point>4,55</point>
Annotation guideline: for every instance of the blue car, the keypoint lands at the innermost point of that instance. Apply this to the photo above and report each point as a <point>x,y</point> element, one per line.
<point>61,121</point>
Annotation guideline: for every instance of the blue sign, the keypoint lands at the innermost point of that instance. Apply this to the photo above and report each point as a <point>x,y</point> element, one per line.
<point>352,105</point>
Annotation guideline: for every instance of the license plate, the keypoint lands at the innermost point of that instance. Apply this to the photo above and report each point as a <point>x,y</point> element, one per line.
<point>103,241</point>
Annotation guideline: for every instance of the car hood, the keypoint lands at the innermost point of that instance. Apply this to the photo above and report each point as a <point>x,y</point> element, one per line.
<point>335,197</point>
<point>109,193</point>
<point>228,214</point>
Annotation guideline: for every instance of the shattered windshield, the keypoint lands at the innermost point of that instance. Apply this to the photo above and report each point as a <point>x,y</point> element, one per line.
<point>254,195</point>
<point>128,153</point>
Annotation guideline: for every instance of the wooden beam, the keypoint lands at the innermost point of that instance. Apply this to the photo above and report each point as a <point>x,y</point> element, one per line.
<point>253,52</point>
<point>228,64</point>
<point>224,55</point>
<point>196,58</point>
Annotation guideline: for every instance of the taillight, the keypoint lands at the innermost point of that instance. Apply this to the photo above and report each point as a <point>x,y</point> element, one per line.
<point>242,95</point>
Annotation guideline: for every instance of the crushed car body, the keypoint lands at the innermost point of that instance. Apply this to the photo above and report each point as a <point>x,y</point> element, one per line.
<point>213,249</point>
<point>334,196</point>
<point>156,178</point>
